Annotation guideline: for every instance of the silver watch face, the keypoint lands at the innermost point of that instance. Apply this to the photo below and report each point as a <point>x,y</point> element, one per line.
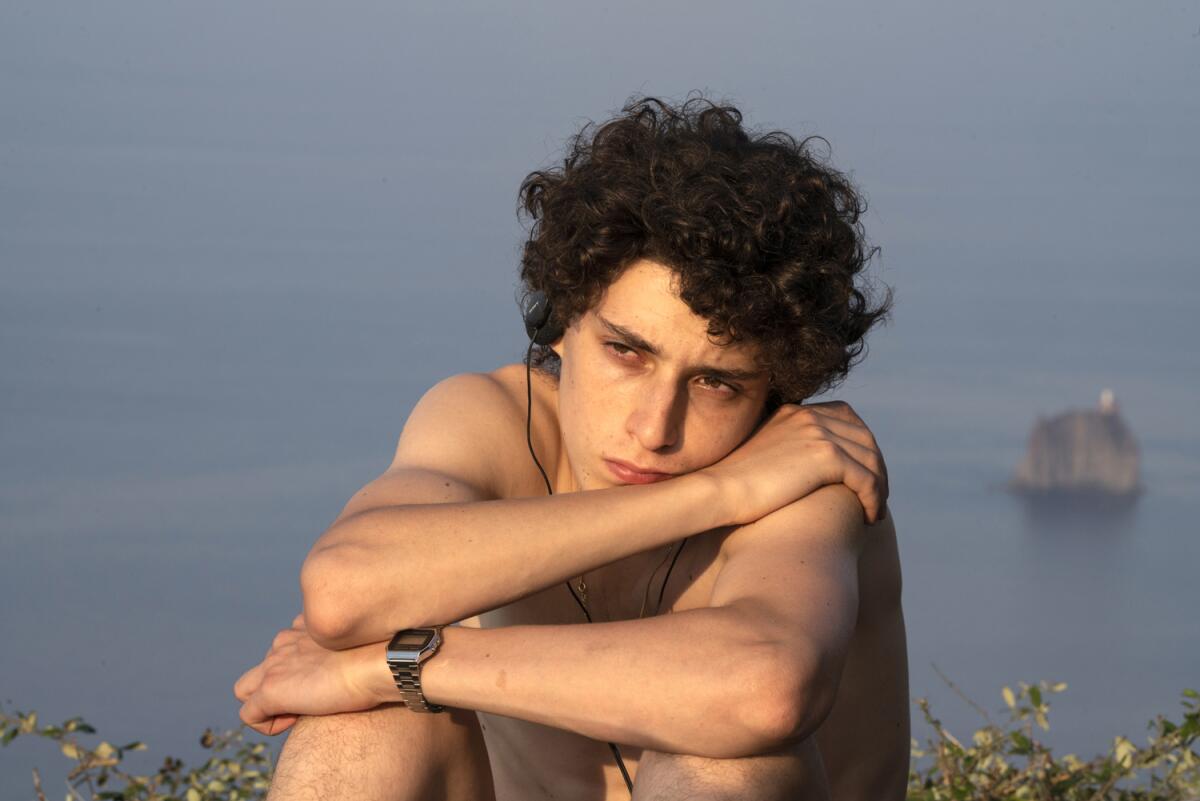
<point>411,640</point>
<point>409,643</point>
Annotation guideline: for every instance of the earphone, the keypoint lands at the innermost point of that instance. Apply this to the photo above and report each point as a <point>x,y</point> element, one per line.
<point>543,330</point>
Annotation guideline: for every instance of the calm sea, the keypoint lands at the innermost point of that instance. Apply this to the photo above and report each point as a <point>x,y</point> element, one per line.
<point>170,453</point>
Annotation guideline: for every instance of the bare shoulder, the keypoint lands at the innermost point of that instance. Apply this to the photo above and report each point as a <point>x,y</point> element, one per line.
<point>474,424</point>
<point>464,413</point>
<point>829,524</point>
<point>829,517</point>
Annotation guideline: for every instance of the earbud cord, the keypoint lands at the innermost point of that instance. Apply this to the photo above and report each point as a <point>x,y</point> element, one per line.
<point>550,491</point>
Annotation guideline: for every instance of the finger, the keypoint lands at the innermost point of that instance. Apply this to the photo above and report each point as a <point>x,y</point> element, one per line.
<point>839,409</point>
<point>869,458</point>
<point>860,436</point>
<point>865,483</point>
<point>262,718</point>
<point>248,683</point>
<point>253,715</point>
<point>841,413</point>
<point>280,723</point>
<point>840,425</point>
<point>285,636</point>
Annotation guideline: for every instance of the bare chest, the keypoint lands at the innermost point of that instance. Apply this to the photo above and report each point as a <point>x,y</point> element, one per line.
<point>531,761</point>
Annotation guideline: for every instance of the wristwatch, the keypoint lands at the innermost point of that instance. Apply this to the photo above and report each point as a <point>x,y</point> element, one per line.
<point>406,652</point>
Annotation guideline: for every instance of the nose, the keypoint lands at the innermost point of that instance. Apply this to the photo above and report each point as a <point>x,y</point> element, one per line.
<point>656,421</point>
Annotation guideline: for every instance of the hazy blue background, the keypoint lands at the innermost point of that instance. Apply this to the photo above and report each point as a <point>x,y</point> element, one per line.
<point>237,241</point>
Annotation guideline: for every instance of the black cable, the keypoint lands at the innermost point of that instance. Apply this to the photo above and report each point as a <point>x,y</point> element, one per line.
<point>529,440</point>
<point>663,588</point>
<point>550,491</point>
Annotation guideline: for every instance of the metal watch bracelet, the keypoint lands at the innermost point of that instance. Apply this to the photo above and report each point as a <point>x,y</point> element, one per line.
<point>406,666</point>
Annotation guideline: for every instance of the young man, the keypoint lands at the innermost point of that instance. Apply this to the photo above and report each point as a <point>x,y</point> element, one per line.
<point>700,284</point>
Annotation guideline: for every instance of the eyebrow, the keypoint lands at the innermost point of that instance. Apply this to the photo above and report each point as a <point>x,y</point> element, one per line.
<point>641,344</point>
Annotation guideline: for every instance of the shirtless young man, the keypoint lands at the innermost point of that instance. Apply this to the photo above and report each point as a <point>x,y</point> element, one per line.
<point>776,666</point>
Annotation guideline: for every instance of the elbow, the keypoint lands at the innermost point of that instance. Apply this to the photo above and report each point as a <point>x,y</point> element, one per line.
<point>795,696</point>
<point>771,710</point>
<point>328,615</point>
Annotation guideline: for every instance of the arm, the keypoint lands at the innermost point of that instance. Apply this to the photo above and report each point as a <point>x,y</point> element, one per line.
<point>670,682</point>
<point>429,541</point>
<point>758,668</point>
<point>795,572</point>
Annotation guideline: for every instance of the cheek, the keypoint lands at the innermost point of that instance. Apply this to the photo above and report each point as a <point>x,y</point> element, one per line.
<point>715,437</point>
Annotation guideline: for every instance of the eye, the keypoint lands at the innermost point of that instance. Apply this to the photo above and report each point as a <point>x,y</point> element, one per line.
<point>716,384</point>
<point>621,350</point>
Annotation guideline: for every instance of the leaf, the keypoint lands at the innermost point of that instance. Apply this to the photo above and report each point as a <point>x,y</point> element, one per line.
<point>1023,744</point>
<point>1124,751</point>
<point>193,794</point>
<point>1035,695</point>
<point>105,750</point>
<point>1058,687</point>
<point>1009,698</point>
<point>71,750</point>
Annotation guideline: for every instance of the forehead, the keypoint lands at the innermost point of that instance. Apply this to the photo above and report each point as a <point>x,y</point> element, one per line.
<point>645,300</point>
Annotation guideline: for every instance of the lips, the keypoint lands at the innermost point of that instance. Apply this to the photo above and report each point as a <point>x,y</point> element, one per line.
<point>631,474</point>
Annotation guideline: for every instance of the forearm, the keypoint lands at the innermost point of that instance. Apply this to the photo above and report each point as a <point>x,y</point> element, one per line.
<point>699,682</point>
<point>401,566</point>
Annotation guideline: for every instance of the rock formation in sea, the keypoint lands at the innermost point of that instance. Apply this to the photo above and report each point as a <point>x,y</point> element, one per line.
<point>1088,451</point>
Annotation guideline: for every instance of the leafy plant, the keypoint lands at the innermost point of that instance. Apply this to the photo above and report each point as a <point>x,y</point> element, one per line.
<point>1007,761</point>
<point>237,769</point>
<point>1004,760</point>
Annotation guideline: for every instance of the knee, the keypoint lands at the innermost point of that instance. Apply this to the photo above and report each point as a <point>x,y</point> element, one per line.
<point>348,732</point>
<point>673,777</point>
<point>786,773</point>
<point>389,752</point>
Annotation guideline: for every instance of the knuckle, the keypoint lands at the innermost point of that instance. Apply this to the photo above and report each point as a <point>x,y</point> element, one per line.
<point>813,429</point>
<point>826,448</point>
<point>797,411</point>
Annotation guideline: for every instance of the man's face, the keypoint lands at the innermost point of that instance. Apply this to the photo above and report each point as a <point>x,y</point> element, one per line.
<point>642,384</point>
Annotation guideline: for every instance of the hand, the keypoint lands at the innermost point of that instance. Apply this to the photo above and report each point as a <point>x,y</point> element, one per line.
<point>299,677</point>
<point>797,449</point>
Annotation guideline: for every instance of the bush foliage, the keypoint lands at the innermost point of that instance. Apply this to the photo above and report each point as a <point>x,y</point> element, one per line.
<point>1004,760</point>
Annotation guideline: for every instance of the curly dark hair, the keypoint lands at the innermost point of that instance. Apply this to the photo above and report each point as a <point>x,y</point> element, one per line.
<point>764,237</point>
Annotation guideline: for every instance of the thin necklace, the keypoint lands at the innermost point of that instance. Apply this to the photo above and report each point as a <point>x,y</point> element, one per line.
<point>581,584</point>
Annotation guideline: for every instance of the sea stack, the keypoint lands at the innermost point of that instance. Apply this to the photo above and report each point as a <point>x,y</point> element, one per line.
<point>1082,451</point>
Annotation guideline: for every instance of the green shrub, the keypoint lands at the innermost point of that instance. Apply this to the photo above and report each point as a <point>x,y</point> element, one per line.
<point>1004,761</point>
<point>1007,761</point>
